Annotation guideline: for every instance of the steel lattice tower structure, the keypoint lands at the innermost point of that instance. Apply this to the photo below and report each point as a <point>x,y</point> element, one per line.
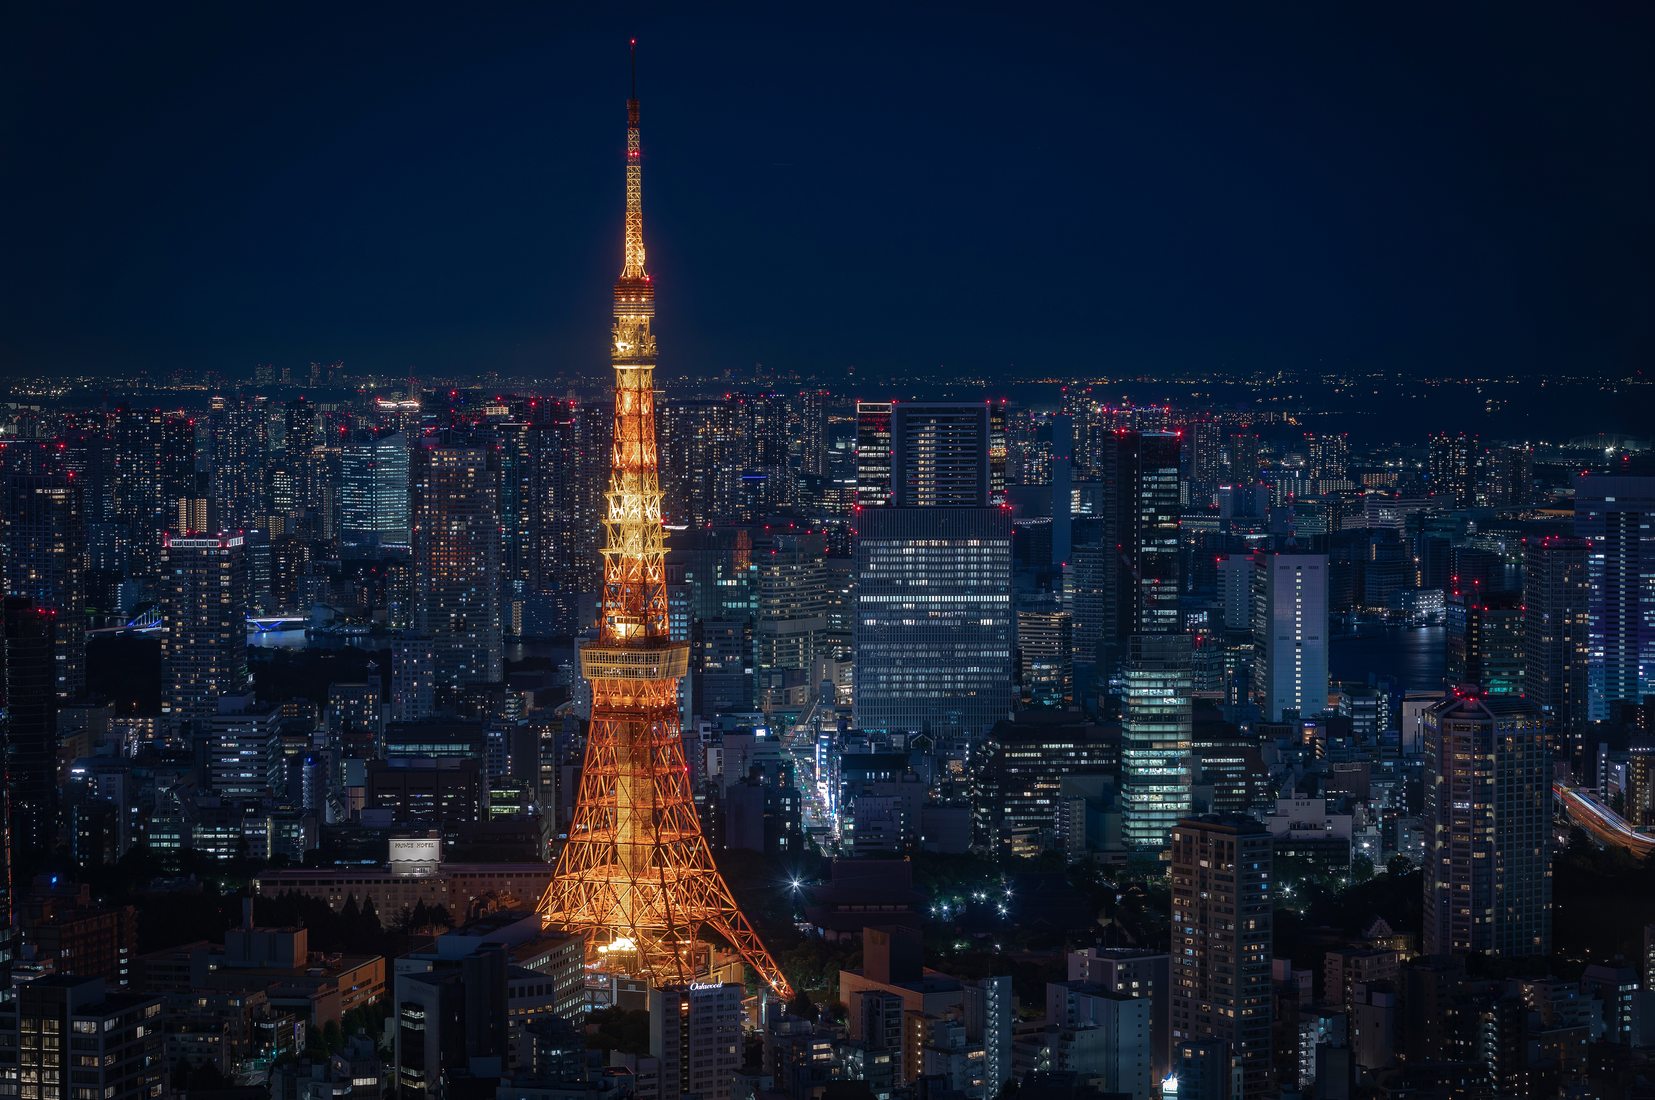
<point>636,877</point>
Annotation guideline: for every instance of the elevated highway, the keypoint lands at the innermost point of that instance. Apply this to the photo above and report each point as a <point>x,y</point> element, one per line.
<point>1600,821</point>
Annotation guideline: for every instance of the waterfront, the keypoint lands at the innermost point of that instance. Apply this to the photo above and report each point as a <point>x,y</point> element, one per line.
<point>1412,659</point>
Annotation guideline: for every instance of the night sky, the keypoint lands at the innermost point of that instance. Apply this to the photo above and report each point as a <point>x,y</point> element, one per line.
<point>910,190</point>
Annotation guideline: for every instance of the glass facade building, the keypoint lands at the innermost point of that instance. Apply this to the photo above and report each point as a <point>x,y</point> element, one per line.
<point>1156,728</point>
<point>373,491</point>
<point>933,630</point>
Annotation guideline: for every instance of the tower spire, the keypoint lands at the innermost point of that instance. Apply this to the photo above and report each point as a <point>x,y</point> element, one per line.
<point>633,268</point>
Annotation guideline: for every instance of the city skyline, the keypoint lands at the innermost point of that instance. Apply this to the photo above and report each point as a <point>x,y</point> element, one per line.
<point>1062,731</point>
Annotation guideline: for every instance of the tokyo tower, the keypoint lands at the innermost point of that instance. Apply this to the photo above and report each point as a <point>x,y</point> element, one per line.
<point>636,877</point>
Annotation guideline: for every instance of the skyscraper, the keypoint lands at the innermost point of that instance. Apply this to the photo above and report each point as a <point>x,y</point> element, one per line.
<point>1157,722</point>
<point>1488,841</point>
<point>204,602</point>
<point>1222,940</point>
<point>568,455</point>
<point>931,454</point>
<point>45,559</point>
<point>1045,658</point>
<point>1509,476</point>
<point>238,438</point>
<point>933,631</point>
<point>373,487</point>
<point>1485,640</point>
<point>179,481</point>
<point>28,702</point>
<point>702,485</point>
<point>791,595</point>
<point>1556,599</point>
<point>813,425</point>
<point>1617,516</point>
<point>456,555</point>
<point>140,445</point>
<point>1140,536</point>
<point>1454,467</point>
<point>873,453</point>
<point>1327,456</point>
<point>1290,633</point>
<point>940,455</point>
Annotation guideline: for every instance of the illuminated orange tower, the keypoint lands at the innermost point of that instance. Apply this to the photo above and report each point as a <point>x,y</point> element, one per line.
<point>636,877</point>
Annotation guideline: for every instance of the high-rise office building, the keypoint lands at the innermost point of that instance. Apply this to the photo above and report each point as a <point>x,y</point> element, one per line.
<point>1509,476</point>
<point>1157,723</point>
<point>1488,841</point>
<point>140,456</point>
<point>1556,605</point>
<point>1617,516</point>
<point>1222,940</point>
<point>566,467</point>
<point>1240,467</point>
<point>1327,456</point>
<point>695,1030</point>
<point>1234,574</point>
<point>1017,776</point>
<point>703,483</point>
<point>238,438</point>
<point>373,491</point>
<point>1045,658</point>
<point>791,596</point>
<point>28,700</point>
<point>204,602</point>
<point>1454,469</point>
<point>1485,641</point>
<point>933,631</point>
<point>873,453</point>
<point>931,454</point>
<point>1088,584</point>
<point>178,474</point>
<point>813,431</point>
<point>1290,633</point>
<point>1140,538</point>
<point>763,422</point>
<point>456,556</point>
<point>302,457</point>
<point>940,455</point>
<point>44,556</point>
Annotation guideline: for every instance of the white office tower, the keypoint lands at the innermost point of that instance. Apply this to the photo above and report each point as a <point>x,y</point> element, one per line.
<point>1290,632</point>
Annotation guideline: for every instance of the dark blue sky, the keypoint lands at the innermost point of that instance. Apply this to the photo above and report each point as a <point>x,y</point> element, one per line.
<point>908,189</point>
